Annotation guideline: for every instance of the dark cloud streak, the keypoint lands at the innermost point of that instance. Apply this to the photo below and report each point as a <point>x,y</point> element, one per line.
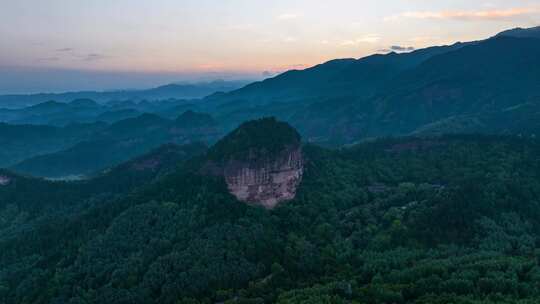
<point>93,57</point>
<point>49,59</point>
<point>398,48</point>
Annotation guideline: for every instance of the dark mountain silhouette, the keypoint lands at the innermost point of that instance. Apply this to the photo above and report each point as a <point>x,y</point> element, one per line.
<point>533,32</point>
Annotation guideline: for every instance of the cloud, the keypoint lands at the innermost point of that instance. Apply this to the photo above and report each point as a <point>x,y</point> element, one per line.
<point>492,14</point>
<point>289,39</point>
<point>239,27</point>
<point>297,66</point>
<point>348,43</point>
<point>49,59</point>
<point>93,57</point>
<point>64,50</point>
<point>71,53</point>
<point>278,70</point>
<point>289,16</point>
<point>264,40</point>
<point>397,48</point>
<point>423,39</point>
<point>371,38</point>
<point>268,74</point>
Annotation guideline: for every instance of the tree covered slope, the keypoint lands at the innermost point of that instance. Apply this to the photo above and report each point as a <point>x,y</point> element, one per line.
<point>452,219</point>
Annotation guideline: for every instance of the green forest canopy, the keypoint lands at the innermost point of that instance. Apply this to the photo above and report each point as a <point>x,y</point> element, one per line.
<point>444,220</point>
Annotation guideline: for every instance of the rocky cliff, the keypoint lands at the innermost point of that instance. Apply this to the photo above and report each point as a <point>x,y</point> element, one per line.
<point>261,162</point>
<point>267,183</point>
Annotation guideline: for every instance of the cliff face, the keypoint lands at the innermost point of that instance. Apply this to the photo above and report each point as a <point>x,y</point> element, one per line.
<point>267,183</point>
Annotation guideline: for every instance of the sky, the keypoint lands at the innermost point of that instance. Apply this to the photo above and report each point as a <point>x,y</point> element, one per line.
<point>62,45</point>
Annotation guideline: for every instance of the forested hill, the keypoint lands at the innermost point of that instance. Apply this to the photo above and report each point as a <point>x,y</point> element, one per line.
<point>453,219</point>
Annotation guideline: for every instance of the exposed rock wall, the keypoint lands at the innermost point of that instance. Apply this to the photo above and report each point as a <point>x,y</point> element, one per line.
<point>268,182</point>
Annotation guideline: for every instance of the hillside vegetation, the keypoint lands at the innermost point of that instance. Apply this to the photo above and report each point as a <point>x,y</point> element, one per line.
<point>454,219</point>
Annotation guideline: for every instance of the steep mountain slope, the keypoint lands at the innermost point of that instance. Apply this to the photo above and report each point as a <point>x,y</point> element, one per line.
<point>439,220</point>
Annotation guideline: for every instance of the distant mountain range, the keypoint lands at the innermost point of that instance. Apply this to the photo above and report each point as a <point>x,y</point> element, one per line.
<point>174,91</point>
<point>89,111</point>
